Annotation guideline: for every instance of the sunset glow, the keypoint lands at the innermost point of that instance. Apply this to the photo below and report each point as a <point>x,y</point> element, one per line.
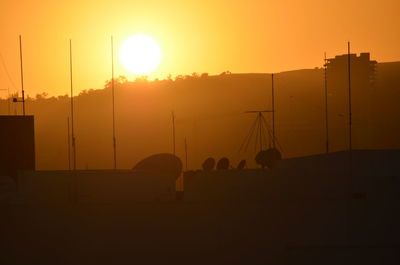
<point>140,54</point>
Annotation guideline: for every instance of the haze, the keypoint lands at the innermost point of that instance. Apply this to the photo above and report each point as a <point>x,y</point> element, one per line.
<point>195,36</point>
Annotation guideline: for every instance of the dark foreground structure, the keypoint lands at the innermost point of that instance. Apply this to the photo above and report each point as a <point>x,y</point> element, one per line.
<point>17,144</point>
<point>312,210</point>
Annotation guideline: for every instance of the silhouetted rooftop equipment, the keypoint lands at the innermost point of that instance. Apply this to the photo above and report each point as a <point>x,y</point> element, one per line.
<point>113,104</point>
<point>268,158</point>
<point>261,126</point>
<point>241,165</point>
<point>208,164</point>
<point>22,76</point>
<point>260,129</point>
<point>326,105</point>
<point>69,145</point>
<point>223,164</point>
<point>350,113</point>
<point>173,131</point>
<point>22,100</point>
<point>186,155</point>
<point>160,164</point>
<point>72,108</point>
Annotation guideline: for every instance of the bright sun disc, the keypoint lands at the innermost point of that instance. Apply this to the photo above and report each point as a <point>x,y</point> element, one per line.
<point>140,54</point>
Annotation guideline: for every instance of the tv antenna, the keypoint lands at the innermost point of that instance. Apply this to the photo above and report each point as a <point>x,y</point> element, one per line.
<point>259,129</point>
<point>173,132</point>
<point>260,126</point>
<point>22,78</point>
<point>72,108</point>
<point>326,104</point>
<point>113,104</point>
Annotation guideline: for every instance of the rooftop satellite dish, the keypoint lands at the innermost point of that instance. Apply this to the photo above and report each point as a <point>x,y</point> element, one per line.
<point>241,165</point>
<point>208,164</point>
<point>268,158</point>
<point>223,164</point>
<point>160,164</point>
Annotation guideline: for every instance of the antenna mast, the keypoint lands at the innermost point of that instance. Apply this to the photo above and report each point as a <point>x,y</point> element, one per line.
<point>72,107</point>
<point>173,132</point>
<point>350,114</point>
<point>259,126</point>
<point>69,146</point>
<point>326,103</point>
<point>186,155</point>
<point>22,75</point>
<point>273,111</point>
<point>113,103</point>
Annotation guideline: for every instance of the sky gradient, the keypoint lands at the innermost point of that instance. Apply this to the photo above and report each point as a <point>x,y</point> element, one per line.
<point>195,36</point>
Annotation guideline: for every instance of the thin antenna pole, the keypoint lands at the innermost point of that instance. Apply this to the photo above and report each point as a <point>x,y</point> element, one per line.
<point>260,130</point>
<point>113,103</point>
<point>22,75</point>
<point>350,114</point>
<point>72,107</point>
<point>256,132</point>
<point>69,145</point>
<point>326,104</point>
<point>173,131</point>
<point>9,101</point>
<point>186,155</point>
<point>273,111</point>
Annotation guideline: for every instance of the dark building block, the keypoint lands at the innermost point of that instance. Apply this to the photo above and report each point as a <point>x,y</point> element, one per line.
<point>17,144</point>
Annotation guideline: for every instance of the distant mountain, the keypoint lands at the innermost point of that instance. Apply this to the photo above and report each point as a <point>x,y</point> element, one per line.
<point>210,114</point>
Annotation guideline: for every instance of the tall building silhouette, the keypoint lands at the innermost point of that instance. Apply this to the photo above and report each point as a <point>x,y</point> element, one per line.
<point>362,83</point>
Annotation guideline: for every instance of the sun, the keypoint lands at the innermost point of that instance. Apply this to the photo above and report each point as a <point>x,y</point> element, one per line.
<point>140,54</point>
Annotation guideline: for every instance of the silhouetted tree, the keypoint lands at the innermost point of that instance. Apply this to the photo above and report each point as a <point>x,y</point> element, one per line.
<point>208,164</point>
<point>119,80</point>
<point>223,164</point>
<point>142,79</point>
<point>42,95</point>
<point>179,77</point>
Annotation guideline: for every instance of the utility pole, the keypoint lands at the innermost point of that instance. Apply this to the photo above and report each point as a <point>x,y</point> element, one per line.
<point>113,104</point>
<point>186,155</point>
<point>22,79</point>
<point>273,111</point>
<point>350,114</point>
<point>173,132</point>
<point>9,101</point>
<point>22,75</point>
<point>326,104</point>
<point>260,130</point>
<point>69,145</point>
<point>72,108</point>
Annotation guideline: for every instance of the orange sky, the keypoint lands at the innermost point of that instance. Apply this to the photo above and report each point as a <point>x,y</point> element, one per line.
<point>195,36</point>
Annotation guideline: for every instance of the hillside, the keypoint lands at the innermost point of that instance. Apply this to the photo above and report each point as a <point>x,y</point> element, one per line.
<point>209,113</point>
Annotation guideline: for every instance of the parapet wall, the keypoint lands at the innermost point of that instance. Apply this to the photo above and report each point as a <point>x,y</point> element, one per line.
<point>97,186</point>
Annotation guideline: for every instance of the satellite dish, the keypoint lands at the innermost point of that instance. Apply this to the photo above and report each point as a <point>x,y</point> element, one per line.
<point>160,164</point>
<point>268,158</point>
<point>223,164</point>
<point>241,165</point>
<point>208,164</point>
